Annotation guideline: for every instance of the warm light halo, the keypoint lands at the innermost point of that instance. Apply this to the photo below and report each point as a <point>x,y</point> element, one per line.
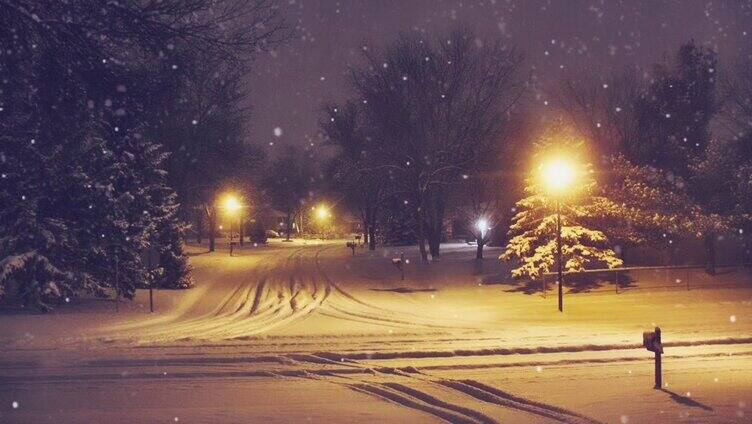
<point>558,175</point>
<point>322,212</point>
<point>231,204</point>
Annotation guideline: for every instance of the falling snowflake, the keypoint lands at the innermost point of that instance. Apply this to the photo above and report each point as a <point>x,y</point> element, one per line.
<point>278,132</point>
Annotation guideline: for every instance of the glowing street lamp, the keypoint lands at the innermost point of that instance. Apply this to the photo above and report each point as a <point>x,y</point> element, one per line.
<point>482,226</point>
<point>322,213</point>
<point>232,206</point>
<point>558,176</point>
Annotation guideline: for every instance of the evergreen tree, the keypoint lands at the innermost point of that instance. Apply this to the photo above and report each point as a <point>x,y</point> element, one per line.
<point>533,244</point>
<point>656,136</point>
<point>83,187</point>
<point>674,115</point>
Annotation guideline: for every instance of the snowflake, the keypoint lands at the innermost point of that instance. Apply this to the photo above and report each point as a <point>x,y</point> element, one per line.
<point>278,132</point>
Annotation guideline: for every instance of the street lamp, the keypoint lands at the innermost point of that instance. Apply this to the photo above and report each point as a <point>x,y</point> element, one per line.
<point>482,226</point>
<point>231,204</point>
<point>558,176</point>
<point>323,215</point>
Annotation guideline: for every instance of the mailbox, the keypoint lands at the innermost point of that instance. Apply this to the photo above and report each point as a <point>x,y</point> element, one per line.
<point>351,244</point>
<point>651,340</point>
<point>397,262</point>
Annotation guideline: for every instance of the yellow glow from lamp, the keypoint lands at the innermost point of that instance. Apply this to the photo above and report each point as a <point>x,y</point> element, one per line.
<point>558,175</point>
<point>231,204</point>
<point>322,213</point>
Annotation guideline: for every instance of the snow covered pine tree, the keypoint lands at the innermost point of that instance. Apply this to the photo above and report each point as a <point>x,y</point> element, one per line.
<point>533,231</point>
<point>79,180</point>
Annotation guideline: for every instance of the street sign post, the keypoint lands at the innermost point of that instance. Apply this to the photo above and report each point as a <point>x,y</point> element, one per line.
<point>651,340</point>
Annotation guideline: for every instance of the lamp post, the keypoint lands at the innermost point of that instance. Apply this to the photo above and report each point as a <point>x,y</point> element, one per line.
<point>482,226</point>
<point>558,176</point>
<point>560,273</point>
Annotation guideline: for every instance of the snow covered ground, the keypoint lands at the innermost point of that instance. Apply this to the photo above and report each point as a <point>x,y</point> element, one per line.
<point>303,331</point>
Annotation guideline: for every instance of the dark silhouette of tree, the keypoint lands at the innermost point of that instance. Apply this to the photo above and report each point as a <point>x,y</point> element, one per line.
<point>88,84</point>
<point>727,169</point>
<point>654,136</point>
<point>477,200</point>
<point>354,171</point>
<point>438,110</point>
<point>287,184</point>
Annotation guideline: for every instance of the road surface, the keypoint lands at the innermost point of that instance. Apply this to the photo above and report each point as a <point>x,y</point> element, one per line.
<point>306,333</point>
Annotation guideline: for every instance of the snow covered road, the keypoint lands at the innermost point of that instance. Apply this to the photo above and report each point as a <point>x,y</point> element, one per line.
<point>308,333</point>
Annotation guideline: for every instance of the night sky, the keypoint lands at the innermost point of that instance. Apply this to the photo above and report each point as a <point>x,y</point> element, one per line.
<point>289,85</point>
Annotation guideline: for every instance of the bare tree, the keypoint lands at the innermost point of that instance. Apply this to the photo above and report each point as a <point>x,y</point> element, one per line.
<point>438,108</point>
<point>603,106</point>
<point>352,171</point>
<point>287,184</point>
<point>477,201</point>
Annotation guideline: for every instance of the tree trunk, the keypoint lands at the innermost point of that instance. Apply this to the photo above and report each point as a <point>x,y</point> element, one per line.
<point>710,253</point>
<point>372,237</point>
<point>212,230</point>
<point>199,226</point>
<point>436,230</point>
<point>479,251</point>
<point>422,237</point>
<point>241,229</point>
<point>288,224</point>
<point>434,246</point>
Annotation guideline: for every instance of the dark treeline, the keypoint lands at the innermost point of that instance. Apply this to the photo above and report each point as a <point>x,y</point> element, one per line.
<point>427,113</point>
<point>441,129</point>
<point>121,125</point>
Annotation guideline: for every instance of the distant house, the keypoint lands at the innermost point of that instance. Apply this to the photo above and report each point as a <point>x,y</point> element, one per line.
<point>269,219</point>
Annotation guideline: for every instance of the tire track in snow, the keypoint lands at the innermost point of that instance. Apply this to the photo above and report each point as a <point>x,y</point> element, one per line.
<point>206,326</point>
<point>348,306</point>
<point>279,294</point>
<point>443,410</point>
<point>408,395</point>
<point>397,393</point>
<point>299,297</point>
<point>490,394</point>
